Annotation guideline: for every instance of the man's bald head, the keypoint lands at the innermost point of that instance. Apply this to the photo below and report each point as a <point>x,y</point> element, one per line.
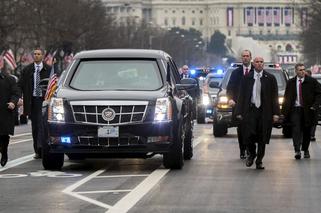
<point>258,63</point>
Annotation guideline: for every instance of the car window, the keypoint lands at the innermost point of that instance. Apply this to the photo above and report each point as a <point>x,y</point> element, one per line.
<point>227,76</point>
<point>217,79</point>
<point>117,75</point>
<point>280,77</point>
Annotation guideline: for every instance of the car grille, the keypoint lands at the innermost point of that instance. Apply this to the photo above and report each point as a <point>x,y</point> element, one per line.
<point>110,142</point>
<point>120,112</point>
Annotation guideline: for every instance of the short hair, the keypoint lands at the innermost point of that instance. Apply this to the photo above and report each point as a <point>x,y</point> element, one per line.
<point>41,49</point>
<point>247,51</point>
<point>298,65</point>
<point>309,72</point>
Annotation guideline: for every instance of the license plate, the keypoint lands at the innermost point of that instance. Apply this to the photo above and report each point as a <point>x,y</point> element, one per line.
<point>108,132</point>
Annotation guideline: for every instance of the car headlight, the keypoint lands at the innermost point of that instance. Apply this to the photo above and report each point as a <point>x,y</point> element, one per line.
<point>56,111</point>
<point>163,110</point>
<point>281,99</point>
<point>205,99</point>
<point>223,102</point>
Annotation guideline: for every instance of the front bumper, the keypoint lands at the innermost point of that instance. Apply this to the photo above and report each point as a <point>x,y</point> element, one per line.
<point>133,138</point>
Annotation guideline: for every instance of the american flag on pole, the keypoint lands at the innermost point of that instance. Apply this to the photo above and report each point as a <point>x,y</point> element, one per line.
<point>9,59</point>
<point>230,17</point>
<point>268,16</point>
<point>52,84</point>
<point>287,16</point>
<point>260,16</point>
<point>250,16</point>
<point>277,16</point>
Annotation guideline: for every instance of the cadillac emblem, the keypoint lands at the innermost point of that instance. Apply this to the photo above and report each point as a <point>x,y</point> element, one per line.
<point>108,114</point>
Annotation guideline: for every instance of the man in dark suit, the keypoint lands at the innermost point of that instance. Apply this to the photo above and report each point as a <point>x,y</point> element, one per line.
<point>257,107</point>
<point>9,96</point>
<point>33,95</point>
<point>302,98</point>
<point>232,91</point>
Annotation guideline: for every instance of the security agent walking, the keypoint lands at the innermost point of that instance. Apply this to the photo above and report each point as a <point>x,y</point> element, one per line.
<point>232,91</point>
<point>257,107</point>
<point>9,96</point>
<point>33,95</point>
<point>302,98</point>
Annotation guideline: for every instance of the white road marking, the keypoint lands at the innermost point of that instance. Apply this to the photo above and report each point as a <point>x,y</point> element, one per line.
<point>117,176</point>
<point>22,134</point>
<point>134,196</point>
<point>21,141</point>
<point>69,190</point>
<point>17,162</point>
<point>127,202</point>
<point>105,191</point>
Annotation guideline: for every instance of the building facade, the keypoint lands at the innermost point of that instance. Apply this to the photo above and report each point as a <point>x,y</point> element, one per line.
<point>273,26</point>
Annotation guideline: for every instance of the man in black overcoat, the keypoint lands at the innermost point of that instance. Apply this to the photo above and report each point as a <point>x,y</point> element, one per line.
<point>301,100</point>
<point>9,96</point>
<point>232,91</point>
<point>257,107</point>
<point>33,96</point>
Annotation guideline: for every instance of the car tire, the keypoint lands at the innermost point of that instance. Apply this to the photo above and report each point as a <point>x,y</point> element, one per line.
<point>174,159</point>
<point>188,145</point>
<point>200,115</point>
<point>51,161</point>
<point>219,129</point>
<point>287,131</point>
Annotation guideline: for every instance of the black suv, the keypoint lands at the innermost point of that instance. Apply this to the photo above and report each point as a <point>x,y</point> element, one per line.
<point>120,103</point>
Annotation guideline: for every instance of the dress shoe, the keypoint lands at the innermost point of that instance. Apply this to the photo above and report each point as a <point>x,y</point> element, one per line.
<point>297,155</point>
<point>312,139</point>
<point>249,161</point>
<point>306,154</point>
<point>259,166</point>
<point>37,156</point>
<point>4,160</point>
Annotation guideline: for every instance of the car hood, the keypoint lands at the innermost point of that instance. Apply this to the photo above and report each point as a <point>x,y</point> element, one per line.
<point>73,95</point>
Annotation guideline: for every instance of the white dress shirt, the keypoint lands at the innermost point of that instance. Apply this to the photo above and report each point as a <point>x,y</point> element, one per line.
<point>40,65</point>
<point>256,75</point>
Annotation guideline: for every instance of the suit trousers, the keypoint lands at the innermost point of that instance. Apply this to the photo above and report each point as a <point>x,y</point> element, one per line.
<point>240,137</point>
<point>4,142</point>
<point>36,122</point>
<point>255,134</point>
<point>301,133</point>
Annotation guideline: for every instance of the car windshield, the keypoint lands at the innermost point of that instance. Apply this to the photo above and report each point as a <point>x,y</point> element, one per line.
<point>217,79</point>
<point>117,75</point>
<point>278,74</point>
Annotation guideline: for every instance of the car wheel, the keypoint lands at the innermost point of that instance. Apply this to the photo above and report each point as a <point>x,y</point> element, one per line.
<point>200,115</point>
<point>173,159</point>
<point>287,131</point>
<point>73,156</point>
<point>188,146</point>
<point>51,161</point>
<point>219,129</point>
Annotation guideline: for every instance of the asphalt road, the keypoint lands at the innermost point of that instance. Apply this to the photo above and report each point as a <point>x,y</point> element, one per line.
<point>215,180</point>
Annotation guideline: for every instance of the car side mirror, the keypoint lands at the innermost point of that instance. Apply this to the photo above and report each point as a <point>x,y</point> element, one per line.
<point>214,84</point>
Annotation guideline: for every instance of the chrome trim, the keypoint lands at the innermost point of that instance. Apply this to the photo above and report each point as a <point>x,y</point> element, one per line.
<point>107,104</point>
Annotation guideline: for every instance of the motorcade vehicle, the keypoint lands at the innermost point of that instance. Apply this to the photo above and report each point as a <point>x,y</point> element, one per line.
<point>203,103</point>
<point>222,117</point>
<point>209,94</point>
<point>318,77</point>
<point>120,103</point>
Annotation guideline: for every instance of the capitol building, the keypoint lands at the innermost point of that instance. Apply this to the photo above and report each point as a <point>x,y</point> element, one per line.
<point>268,28</point>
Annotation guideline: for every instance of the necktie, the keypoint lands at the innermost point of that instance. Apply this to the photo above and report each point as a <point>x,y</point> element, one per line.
<point>246,71</point>
<point>300,93</point>
<point>258,91</point>
<point>37,86</point>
